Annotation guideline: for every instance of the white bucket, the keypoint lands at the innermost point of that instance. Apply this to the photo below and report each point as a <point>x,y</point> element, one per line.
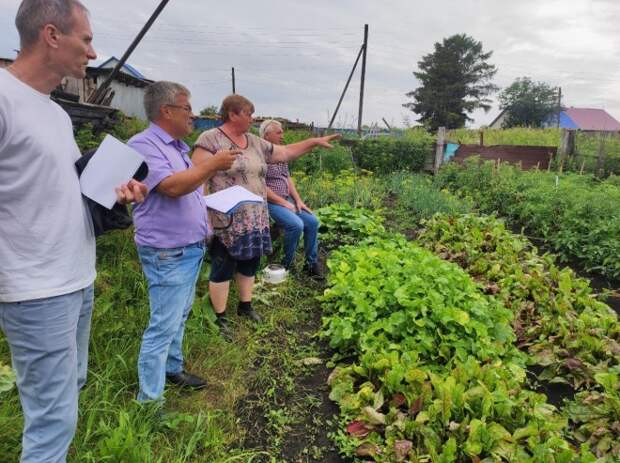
<point>274,274</point>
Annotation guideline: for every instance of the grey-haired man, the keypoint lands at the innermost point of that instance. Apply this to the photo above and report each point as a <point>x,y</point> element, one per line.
<point>47,249</point>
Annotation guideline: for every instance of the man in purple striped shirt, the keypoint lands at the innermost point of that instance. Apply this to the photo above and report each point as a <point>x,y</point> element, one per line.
<point>288,210</point>
<point>171,228</point>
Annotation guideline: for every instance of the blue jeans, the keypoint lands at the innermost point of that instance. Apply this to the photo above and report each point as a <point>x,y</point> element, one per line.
<point>48,339</point>
<point>171,275</point>
<point>294,224</point>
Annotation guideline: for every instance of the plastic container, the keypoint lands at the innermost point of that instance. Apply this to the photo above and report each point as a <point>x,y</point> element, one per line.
<point>274,274</point>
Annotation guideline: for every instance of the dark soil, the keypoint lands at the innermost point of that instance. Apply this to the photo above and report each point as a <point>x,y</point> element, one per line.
<point>305,440</point>
<point>308,441</point>
<point>556,393</point>
<point>392,221</point>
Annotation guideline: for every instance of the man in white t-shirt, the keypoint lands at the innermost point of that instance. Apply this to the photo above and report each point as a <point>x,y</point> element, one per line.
<point>47,244</point>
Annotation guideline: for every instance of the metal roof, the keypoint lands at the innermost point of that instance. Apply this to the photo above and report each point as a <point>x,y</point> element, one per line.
<point>592,119</point>
<point>111,62</point>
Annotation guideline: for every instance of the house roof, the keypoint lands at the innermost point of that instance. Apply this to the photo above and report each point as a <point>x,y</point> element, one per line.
<point>127,68</point>
<point>578,118</point>
<point>592,119</point>
<point>565,121</point>
<point>121,76</point>
<point>502,112</point>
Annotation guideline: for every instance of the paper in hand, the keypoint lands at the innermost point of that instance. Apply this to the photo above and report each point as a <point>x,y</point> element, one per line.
<point>113,164</point>
<point>228,199</point>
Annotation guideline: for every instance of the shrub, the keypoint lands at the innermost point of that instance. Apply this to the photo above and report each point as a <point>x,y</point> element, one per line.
<point>320,159</point>
<point>385,155</point>
<point>87,138</point>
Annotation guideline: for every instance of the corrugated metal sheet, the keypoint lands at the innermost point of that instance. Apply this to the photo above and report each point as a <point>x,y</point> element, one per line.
<point>206,123</point>
<point>110,63</point>
<point>529,157</point>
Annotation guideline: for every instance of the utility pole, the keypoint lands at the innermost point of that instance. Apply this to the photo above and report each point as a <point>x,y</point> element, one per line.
<point>98,95</point>
<point>365,49</point>
<point>233,80</point>
<point>346,86</point>
<point>559,104</point>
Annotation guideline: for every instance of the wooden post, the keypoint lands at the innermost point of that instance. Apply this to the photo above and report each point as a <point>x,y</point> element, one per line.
<point>363,80</point>
<point>567,146</point>
<point>99,95</point>
<point>600,160</point>
<point>482,138</point>
<point>346,86</point>
<point>441,140</point>
<point>583,163</point>
<point>559,105</point>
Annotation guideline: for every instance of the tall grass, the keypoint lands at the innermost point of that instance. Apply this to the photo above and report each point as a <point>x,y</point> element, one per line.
<point>199,426</point>
<point>514,136</point>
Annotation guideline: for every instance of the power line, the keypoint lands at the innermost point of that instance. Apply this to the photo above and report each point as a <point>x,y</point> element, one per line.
<point>220,42</point>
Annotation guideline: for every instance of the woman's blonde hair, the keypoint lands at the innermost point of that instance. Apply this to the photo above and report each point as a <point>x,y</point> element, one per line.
<point>235,104</point>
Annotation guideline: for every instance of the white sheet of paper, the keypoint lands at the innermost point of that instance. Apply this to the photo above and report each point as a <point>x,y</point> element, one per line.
<point>229,198</point>
<point>113,164</point>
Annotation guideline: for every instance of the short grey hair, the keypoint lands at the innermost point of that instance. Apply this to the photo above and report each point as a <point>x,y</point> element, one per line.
<point>33,15</point>
<point>162,93</point>
<point>267,125</point>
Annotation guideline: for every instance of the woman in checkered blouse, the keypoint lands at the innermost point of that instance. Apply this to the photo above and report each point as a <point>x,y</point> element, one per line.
<point>287,209</point>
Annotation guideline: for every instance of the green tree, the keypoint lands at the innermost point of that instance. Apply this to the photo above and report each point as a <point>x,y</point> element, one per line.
<point>455,80</point>
<point>528,103</point>
<point>210,111</point>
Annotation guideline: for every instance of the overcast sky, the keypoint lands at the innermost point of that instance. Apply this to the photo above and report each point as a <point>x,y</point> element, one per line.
<point>292,58</point>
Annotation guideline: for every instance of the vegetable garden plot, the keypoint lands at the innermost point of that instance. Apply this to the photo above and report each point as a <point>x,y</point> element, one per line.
<point>342,224</point>
<point>436,376</point>
<point>557,320</point>
<point>578,217</point>
<point>571,335</point>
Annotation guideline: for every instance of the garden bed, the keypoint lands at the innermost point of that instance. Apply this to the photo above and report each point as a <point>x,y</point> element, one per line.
<point>292,416</point>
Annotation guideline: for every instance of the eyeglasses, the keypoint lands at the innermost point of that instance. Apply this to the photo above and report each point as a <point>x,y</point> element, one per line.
<point>185,108</point>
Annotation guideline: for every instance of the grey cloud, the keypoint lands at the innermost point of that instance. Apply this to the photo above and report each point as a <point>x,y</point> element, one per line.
<point>292,58</point>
